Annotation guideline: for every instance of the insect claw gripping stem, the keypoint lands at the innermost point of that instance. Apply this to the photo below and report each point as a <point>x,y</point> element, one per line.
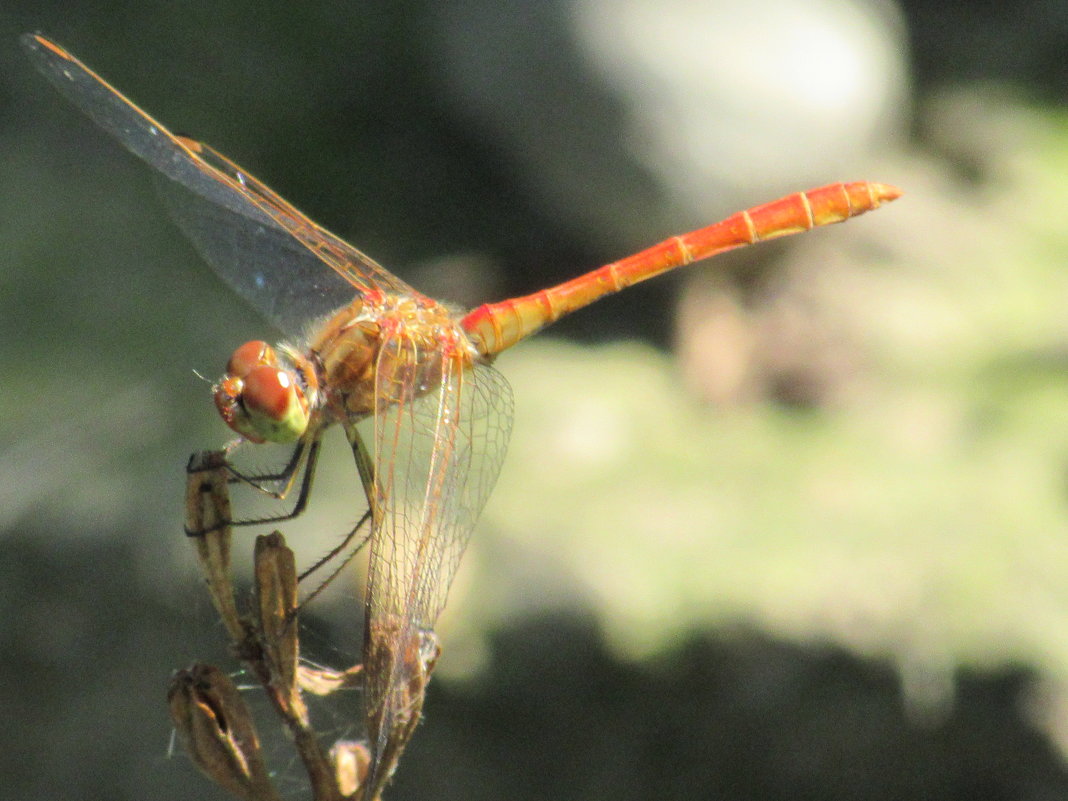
<point>207,504</point>
<point>205,462</point>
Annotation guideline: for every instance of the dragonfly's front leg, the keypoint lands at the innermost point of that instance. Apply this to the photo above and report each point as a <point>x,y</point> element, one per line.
<point>305,455</point>
<point>259,480</point>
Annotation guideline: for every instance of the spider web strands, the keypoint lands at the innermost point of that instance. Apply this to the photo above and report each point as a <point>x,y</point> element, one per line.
<point>441,427</point>
<point>497,326</point>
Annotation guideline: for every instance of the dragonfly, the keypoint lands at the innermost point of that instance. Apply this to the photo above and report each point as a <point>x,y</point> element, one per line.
<point>366,346</point>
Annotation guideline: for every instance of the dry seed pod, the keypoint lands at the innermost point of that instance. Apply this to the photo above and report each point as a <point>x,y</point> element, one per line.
<point>207,509</point>
<point>276,605</point>
<point>216,729</point>
<point>351,759</point>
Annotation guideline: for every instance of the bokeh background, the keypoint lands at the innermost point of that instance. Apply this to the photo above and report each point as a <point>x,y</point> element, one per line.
<point>789,525</point>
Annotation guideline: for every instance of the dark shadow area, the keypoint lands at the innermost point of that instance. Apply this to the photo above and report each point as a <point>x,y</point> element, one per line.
<point>1021,43</point>
<point>87,652</point>
<point>85,657</point>
<point>730,715</point>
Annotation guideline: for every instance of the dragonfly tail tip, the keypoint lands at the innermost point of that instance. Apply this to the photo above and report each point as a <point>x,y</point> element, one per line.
<point>884,193</point>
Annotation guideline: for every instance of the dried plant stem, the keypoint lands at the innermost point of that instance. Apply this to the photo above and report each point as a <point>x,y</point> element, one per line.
<point>206,713</point>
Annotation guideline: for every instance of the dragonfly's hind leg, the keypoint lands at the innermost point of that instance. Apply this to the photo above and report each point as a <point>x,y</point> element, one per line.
<point>365,468</point>
<point>332,554</point>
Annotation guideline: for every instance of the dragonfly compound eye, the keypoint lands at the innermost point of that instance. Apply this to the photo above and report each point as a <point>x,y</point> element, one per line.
<point>264,405</point>
<point>250,355</point>
<point>274,404</point>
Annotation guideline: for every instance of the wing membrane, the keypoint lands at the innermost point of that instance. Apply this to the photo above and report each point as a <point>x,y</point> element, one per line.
<point>356,267</point>
<point>437,455</point>
<point>259,216</point>
<point>266,266</point>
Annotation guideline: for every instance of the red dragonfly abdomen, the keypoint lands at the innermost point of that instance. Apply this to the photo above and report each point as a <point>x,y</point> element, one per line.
<point>496,326</point>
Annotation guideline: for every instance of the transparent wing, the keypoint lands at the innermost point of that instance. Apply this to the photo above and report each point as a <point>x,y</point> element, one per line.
<point>357,268</point>
<point>437,455</point>
<point>436,459</point>
<point>274,272</point>
<point>259,216</point>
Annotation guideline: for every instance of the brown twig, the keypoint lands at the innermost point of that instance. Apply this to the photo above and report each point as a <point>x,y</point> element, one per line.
<point>265,639</point>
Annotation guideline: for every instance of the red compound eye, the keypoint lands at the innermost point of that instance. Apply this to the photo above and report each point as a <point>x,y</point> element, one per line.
<point>260,400</point>
<point>250,356</point>
<point>270,405</point>
<point>269,392</point>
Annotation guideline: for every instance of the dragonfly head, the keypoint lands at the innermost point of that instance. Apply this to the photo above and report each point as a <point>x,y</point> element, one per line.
<point>263,398</point>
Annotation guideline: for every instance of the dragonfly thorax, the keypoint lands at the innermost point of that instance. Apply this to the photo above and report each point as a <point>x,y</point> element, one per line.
<point>385,349</point>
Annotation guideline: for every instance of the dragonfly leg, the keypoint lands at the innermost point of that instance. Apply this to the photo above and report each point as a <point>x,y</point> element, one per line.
<point>305,455</point>
<point>287,474</point>
<point>332,554</point>
<point>365,468</point>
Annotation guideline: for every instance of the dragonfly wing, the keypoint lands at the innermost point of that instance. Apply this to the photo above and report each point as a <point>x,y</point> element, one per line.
<point>356,268</point>
<point>241,199</point>
<point>136,130</point>
<point>437,455</point>
<point>272,271</point>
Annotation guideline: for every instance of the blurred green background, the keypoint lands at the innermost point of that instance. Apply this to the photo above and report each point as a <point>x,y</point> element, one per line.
<point>792,525</point>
